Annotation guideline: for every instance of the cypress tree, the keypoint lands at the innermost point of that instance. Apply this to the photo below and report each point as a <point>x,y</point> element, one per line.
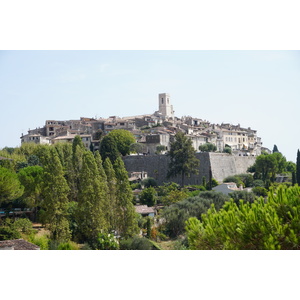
<point>91,200</point>
<point>55,198</point>
<point>298,167</point>
<point>275,149</point>
<point>111,195</point>
<point>125,211</point>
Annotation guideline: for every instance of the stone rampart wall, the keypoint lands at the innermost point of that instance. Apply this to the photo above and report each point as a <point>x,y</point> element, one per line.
<point>221,164</point>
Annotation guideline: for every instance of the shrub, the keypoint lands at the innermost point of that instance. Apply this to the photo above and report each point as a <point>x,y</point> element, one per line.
<point>138,243</point>
<point>149,182</point>
<point>107,241</point>
<point>23,226</point>
<point>260,191</point>
<point>148,196</point>
<point>68,246</point>
<point>40,240</point>
<point>242,195</point>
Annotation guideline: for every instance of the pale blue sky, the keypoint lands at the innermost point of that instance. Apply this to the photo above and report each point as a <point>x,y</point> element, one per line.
<point>258,89</point>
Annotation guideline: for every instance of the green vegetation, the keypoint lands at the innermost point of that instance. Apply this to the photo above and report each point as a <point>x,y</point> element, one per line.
<point>271,224</point>
<point>182,158</point>
<point>208,147</point>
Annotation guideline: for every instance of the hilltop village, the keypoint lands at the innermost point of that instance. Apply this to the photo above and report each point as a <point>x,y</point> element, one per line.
<point>152,131</point>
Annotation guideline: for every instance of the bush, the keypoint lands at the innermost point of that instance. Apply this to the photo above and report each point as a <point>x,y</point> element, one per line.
<point>260,191</point>
<point>148,196</point>
<point>23,226</point>
<point>68,246</point>
<point>138,243</point>
<point>177,214</point>
<point>107,241</point>
<point>40,240</point>
<point>242,195</point>
<point>149,182</point>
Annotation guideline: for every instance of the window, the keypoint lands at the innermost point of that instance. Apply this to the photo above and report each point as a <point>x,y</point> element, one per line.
<point>162,100</point>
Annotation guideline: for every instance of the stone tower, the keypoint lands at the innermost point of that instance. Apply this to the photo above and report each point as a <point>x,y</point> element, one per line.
<point>165,107</point>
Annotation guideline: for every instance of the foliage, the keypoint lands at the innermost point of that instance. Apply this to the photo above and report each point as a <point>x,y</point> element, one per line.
<point>298,168</point>
<point>267,166</point>
<point>177,214</point>
<point>138,243</point>
<point>208,147</point>
<point>242,195</point>
<point>182,158</point>
<point>160,149</point>
<point>235,179</point>
<point>8,231</point>
<point>55,198</point>
<point>40,240</point>
<point>148,196</point>
<point>258,182</point>
<point>32,179</point>
<point>126,224</point>
<point>227,150</point>
<point>260,191</point>
<point>10,186</point>
<point>173,197</point>
<point>275,149</point>
<point>68,246</point>
<point>123,139</point>
<point>106,241</point>
<point>137,148</point>
<point>23,225</point>
<point>271,224</point>
<point>109,149</point>
<point>147,182</point>
<point>92,194</point>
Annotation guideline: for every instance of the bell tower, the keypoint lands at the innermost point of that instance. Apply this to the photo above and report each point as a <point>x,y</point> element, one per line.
<point>165,107</point>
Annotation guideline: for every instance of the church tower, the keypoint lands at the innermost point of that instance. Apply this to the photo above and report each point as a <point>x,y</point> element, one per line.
<point>165,107</point>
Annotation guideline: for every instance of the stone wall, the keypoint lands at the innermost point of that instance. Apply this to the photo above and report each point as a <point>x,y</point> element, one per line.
<point>221,164</point>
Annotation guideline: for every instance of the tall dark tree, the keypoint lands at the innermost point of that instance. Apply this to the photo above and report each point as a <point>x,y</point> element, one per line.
<point>108,148</point>
<point>182,158</point>
<point>91,200</point>
<point>275,149</point>
<point>55,198</point>
<point>125,212</point>
<point>298,167</point>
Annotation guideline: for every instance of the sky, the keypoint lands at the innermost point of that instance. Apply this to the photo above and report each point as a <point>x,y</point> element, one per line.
<point>257,89</point>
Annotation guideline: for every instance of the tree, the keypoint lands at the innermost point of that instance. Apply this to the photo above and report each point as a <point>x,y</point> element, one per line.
<point>111,194</point>
<point>137,148</point>
<point>275,149</point>
<point>271,224</point>
<point>10,186</point>
<point>182,158</point>
<point>267,166</point>
<point>123,139</point>
<point>208,147</point>
<point>126,223</point>
<point>92,194</point>
<point>148,196</point>
<point>55,198</point>
<point>32,180</point>
<point>108,148</point>
<point>298,167</point>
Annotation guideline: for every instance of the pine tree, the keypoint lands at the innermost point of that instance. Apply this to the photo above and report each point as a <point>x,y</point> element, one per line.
<point>91,200</point>
<point>298,167</point>
<point>55,198</point>
<point>182,158</point>
<point>125,211</point>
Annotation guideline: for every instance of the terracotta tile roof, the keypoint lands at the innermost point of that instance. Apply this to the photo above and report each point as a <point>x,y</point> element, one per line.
<point>19,244</point>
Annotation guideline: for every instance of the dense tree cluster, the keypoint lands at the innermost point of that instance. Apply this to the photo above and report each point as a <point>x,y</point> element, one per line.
<point>73,192</point>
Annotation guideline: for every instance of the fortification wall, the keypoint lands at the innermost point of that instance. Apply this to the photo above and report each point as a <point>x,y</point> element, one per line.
<point>221,164</point>
<point>224,165</point>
